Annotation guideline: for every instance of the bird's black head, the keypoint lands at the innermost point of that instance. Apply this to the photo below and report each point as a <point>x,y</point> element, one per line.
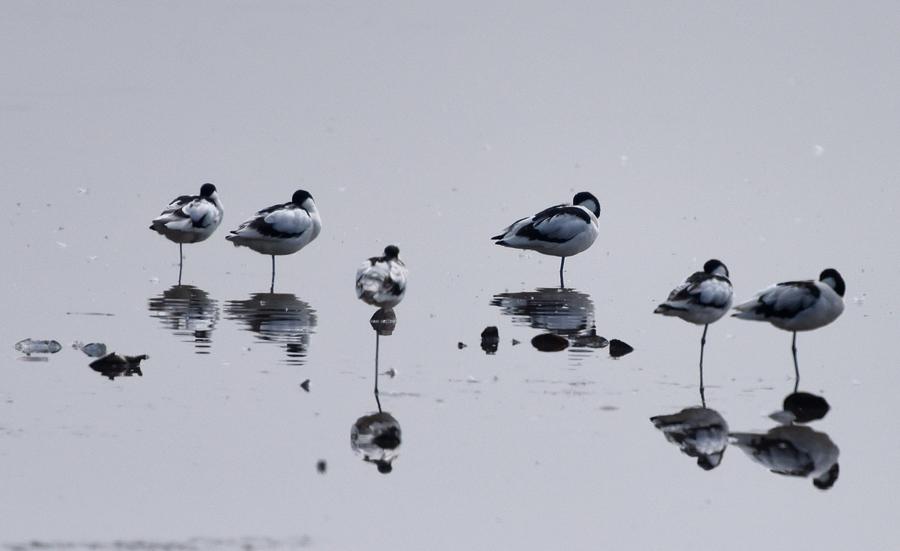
<point>299,196</point>
<point>833,279</point>
<point>588,201</point>
<point>207,189</point>
<point>391,251</point>
<point>828,479</point>
<point>715,267</point>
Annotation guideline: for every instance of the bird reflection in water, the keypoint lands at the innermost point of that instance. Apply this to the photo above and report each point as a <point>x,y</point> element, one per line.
<point>376,437</point>
<point>566,313</point>
<point>793,449</point>
<point>188,312</point>
<point>278,318</point>
<point>699,432</point>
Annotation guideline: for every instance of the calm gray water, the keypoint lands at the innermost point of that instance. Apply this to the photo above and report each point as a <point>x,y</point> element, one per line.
<point>765,136</point>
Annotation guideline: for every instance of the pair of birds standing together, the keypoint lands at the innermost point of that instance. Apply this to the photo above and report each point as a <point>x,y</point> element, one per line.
<point>794,306</point>
<point>277,230</point>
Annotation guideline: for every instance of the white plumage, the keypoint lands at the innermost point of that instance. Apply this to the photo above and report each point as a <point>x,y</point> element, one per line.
<point>561,230</point>
<point>190,218</point>
<point>280,229</point>
<point>702,298</point>
<point>381,281</point>
<point>798,305</point>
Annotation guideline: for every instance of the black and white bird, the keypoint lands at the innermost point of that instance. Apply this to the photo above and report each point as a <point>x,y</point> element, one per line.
<point>698,432</point>
<point>190,219</point>
<point>703,298</point>
<point>794,451</point>
<point>562,230</point>
<point>381,280</point>
<point>280,229</point>
<point>798,306</point>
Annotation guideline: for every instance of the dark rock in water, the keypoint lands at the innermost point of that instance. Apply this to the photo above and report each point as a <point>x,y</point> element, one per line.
<point>515,342</point>
<point>305,385</point>
<point>549,342</point>
<point>461,345</point>
<point>321,466</point>
<point>115,365</point>
<point>589,340</point>
<point>383,322</point>
<point>490,339</point>
<point>618,348</point>
<point>806,407</point>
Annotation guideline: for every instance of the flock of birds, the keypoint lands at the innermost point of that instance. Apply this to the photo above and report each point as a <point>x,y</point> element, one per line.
<point>561,230</point>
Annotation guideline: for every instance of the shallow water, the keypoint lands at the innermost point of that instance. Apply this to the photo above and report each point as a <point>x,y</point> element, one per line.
<point>762,136</point>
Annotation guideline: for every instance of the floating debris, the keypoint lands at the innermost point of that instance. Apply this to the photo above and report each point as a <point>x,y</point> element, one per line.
<point>590,340</point>
<point>114,365</point>
<point>31,346</point>
<point>305,385</point>
<point>618,348</point>
<point>460,345</point>
<point>390,373</point>
<point>490,339</point>
<point>549,342</point>
<point>321,466</point>
<point>92,349</point>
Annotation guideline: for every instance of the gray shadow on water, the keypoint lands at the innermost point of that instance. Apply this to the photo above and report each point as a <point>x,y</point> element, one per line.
<point>189,313</point>
<point>376,437</point>
<point>561,312</point>
<point>698,432</point>
<point>278,318</point>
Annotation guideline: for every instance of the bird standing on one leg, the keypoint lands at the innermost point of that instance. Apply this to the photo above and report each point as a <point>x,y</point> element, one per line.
<point>280,229</point>
<point>562,230</point>
<point>703,298</point>
<point>190,219</point>
<point>381,280</point>
<point>798,306</point>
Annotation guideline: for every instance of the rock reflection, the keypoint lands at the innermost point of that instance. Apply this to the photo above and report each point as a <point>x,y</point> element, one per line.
<point>564,312</point>
<point>376,437</point>
<point>793,451</point>
<point>187,311</point>
<point>278,318</point>
<point>114,365</point>
<point>698,431</point>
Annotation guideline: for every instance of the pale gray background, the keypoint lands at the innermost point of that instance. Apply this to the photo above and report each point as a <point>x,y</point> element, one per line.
<point>764,134</point>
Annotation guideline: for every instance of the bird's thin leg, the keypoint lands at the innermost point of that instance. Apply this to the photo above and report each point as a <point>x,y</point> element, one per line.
<point>377,401</point>
<point>272,286</point>
<point>702,344</point>
<point>562,263</point>
<point>180,262</point>
<point>796,367</point>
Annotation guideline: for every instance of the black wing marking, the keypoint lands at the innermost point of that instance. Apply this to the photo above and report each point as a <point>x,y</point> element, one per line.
<point>531,230</point>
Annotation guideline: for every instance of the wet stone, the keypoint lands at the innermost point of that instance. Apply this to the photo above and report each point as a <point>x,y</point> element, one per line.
<point>618,348</point>
<point>549,342</point>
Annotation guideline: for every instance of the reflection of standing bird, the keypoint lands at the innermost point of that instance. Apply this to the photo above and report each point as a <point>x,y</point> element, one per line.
<point>381,280</point>
<point>562,230</point>
<point>703,298</point>
<point>190,219</point>
<point>280,229</point>
<point>699,432</point>
<point>798,306</point>
<point>377,438</point>
<point>793,450</point>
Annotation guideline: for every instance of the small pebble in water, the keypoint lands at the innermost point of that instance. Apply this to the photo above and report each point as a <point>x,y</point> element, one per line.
<point>321,466</point>
<point>305,385</point>
<point>461,345</point>
<point>490,339</point>
<point>30,346</point>
<point>390,373</point>
<point>515,342</point>
<point>618,348</point>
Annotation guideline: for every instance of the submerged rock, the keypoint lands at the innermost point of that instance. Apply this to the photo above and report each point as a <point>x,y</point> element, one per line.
<point>32,346</point>
<point>618,348</point>
<point>490,339</point>
<point>549,342</point>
